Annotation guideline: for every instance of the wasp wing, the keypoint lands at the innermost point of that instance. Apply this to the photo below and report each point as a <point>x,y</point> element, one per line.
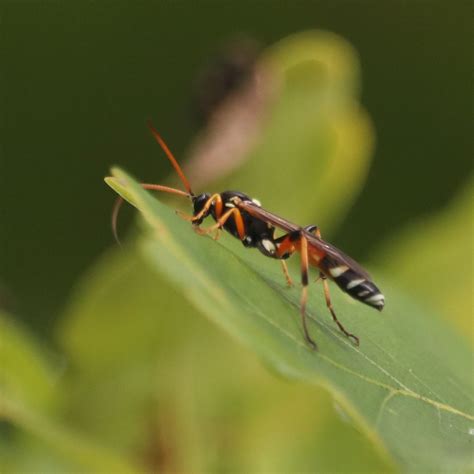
<point>266,216</point>
<point>337,255</point>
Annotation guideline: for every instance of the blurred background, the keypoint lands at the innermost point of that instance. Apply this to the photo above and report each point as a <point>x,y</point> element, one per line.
<point>80,79</point>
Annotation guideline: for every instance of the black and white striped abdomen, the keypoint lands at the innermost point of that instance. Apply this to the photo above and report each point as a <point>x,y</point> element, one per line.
<point>356,285</point>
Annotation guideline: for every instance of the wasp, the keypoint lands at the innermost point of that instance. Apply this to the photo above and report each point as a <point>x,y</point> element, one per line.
<point>245,219</point>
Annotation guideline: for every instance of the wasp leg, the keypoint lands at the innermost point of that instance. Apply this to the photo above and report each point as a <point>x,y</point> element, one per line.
<point>239,222</point>
<point>333,314</point>
<point>214,198</point>
<point>186,217</point>
<point>304,291</point>
<point>313,229</point>
<point>284,267</point>
<point>285,247</point>
<point>217,234</point>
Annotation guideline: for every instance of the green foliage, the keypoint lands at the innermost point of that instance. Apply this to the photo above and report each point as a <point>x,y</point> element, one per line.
<point>141,381</point>
<point>185,391</point>
<point>27,375</point>
<point>409,376</point>
<point>433,259</point>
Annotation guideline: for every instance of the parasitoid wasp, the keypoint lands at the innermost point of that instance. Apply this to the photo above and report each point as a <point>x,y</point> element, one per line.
<point>245,219</point>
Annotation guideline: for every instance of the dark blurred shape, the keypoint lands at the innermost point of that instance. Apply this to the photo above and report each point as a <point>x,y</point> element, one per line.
<point>233,95</point>
<point>231,69</point>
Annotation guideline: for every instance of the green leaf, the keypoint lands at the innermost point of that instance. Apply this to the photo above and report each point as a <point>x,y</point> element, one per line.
<point>408,386</point>
<point>128,332</point>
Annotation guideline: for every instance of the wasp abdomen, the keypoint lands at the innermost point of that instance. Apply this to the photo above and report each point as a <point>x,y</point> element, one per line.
<point>356,285</point>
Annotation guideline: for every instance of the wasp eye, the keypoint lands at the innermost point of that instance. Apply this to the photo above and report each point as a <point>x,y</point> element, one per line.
<point>199,202</point>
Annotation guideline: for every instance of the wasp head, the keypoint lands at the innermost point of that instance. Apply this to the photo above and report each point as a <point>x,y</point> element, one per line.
<point>199,202</point>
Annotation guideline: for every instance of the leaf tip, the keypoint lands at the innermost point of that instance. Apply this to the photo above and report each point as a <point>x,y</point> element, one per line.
<point>110,180</point>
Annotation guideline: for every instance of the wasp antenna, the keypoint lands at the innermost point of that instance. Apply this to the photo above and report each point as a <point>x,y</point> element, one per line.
<point>114,218</point>
<point>165,189</point>
<point>170,156</point>
<point>152,187</point>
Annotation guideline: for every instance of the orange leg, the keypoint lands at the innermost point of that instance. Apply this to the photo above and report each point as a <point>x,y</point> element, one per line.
<point>186,217</point>
<point>284,267</point>
<point>327,296</point>
<point>214,198</point>
<point>317,233</point>
<point>304,291</point>
<point>285,248</point>
<point>313,229</point>
<point>333,314</point>
<point>239,222</point>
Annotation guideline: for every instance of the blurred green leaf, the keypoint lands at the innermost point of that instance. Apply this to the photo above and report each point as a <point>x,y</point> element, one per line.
<point>121,321</point>
<point>408,386</point>
<point>316,141</point>
<point>26,372</point>
<point>432,259</point>
<point>57,444</point>
<point>28,404</point>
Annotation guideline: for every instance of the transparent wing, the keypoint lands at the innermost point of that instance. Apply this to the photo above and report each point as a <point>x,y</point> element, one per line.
<point>336,254</point>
